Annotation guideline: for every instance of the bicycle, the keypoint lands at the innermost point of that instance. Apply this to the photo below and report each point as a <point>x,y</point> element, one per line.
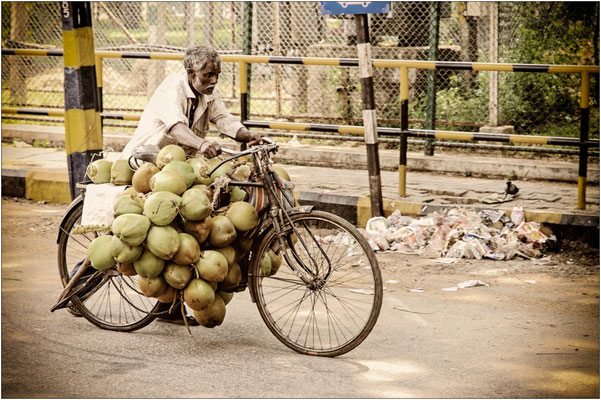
<point>324,300</point>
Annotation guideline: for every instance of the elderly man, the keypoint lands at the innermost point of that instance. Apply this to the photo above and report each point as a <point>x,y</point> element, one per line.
<point>182,106</point>
<point>179,112</point>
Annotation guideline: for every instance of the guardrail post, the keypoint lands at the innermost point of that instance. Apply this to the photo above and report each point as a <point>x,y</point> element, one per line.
<point>369,115</point>
<point>404,127</point>
<point>98,62</point>
<point>83,134</point>
<point>584,128</point>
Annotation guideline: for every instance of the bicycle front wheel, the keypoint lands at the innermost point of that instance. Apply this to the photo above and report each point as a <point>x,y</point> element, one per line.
<point>335,307</point>
<point>114,302</point>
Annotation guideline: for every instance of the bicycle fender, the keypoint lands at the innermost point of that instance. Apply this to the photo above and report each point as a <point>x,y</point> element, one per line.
<point>70,209</point>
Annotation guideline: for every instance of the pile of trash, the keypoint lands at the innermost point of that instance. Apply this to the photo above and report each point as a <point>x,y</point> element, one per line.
<point>460,233</point>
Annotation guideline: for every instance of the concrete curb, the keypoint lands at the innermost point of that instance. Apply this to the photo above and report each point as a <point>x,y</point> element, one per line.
<point>356,158</point>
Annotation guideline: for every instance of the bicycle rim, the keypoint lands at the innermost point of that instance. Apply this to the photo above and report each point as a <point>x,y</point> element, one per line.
<point>115,302</point>
<point>335,313</point>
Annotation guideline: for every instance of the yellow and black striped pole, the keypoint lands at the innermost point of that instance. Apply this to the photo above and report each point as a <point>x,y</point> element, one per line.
<point>369,115</point>
<point>83,131</point>
<point>584,127</point>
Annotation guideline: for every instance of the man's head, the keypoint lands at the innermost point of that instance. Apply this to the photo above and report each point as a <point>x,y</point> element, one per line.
<point>203,66</point>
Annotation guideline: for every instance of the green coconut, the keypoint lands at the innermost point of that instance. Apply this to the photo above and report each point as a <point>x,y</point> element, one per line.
<point>163,241</point>
<point>121,173</point>
<point>207,189</point>
<point>199,294</point>
<point>232,279</point>
<point>278,169</point>
<point>276,262</point>
<point>199,229</point>
<point>131,228</point>
<point>201,170</point>
<point>177,276</point>
<point>222,232</point>
<point>244,246</point>
<point>99,252</point>
<point>189,250</point>
<point>265,265</point>
<point>225,296</point>
<point>229,253</point>
<point>128,204</point>
<point>141,178</point>
<point>126,269</point>
<point>212,266</point>
<point>169,295</point>
<point>241,173</point>
<point>195,205</point>
<point>161,208</point>
<point>152,287</point>
<point>184,169</point>
<point>168,181</point>
<point>237,194</point>
<point>212,315</point>
<point>222,170</point>
<point>123,252</point>
<point>149,265</point>
<point>100,171</point>
<point>243,216</point>
<point>169,153</point>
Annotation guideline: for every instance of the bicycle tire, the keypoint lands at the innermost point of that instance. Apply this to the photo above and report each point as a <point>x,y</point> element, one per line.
<point>298,313</point>
<point>115,305</point>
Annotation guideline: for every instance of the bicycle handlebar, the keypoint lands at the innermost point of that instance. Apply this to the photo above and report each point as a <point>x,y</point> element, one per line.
<point>265,139</point>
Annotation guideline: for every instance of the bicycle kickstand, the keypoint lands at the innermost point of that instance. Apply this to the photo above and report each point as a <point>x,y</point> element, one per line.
<point>65,296</point>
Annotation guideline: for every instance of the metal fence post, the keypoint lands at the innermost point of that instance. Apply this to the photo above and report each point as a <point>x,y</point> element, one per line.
<point>83,134</point>
<point>404,127</point>
<point>584,128</point>
<point>431,91</point>
<point>369,114</point>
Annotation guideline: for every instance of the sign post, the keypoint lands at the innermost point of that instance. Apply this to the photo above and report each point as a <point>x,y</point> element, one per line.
<point>361,9</point>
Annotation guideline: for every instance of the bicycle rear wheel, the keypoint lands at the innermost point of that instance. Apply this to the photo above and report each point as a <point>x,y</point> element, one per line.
<point>115,302</point>
<point>334,312</point>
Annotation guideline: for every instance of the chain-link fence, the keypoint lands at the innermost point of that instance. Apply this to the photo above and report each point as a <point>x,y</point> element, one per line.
<point>507,32</point>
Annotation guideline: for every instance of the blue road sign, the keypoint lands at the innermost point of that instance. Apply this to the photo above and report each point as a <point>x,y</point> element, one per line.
<point>355,7</point>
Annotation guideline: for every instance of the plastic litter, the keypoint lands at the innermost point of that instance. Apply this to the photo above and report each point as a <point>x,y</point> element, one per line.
<point>471,283</point>
<point>456,233</point>
<point>517,215</point>
<point>446,260</point>
<point>377,225</point>
<point>419,290</point>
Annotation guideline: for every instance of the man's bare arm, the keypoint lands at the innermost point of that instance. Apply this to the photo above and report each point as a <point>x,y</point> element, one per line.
<point>184,135</point>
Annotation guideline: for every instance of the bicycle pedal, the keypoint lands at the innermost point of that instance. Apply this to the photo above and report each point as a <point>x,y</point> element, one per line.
<point>236,289</point>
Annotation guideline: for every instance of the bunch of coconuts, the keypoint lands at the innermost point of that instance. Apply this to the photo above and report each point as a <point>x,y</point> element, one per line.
<point>166,231</point>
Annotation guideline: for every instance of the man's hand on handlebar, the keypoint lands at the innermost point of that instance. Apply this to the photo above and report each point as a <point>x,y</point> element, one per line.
<point>249,137</point>
<point>210,149</point>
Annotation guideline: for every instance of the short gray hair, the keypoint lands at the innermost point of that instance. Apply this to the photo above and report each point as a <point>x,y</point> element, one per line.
<point>197,57</point>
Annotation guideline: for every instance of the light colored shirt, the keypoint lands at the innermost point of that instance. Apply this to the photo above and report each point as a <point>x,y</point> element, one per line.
<point>170,104</point>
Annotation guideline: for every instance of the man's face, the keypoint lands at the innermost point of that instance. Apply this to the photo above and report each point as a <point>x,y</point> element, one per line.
<point>205,80</point>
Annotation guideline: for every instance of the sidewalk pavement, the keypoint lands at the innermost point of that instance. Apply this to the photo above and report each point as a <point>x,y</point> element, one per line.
<point>41,175</point>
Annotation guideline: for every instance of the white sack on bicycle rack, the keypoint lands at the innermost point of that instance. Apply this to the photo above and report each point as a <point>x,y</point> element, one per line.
<point>98,203</point>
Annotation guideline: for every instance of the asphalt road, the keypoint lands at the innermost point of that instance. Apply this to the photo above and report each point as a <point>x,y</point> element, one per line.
<point>509,339</point>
